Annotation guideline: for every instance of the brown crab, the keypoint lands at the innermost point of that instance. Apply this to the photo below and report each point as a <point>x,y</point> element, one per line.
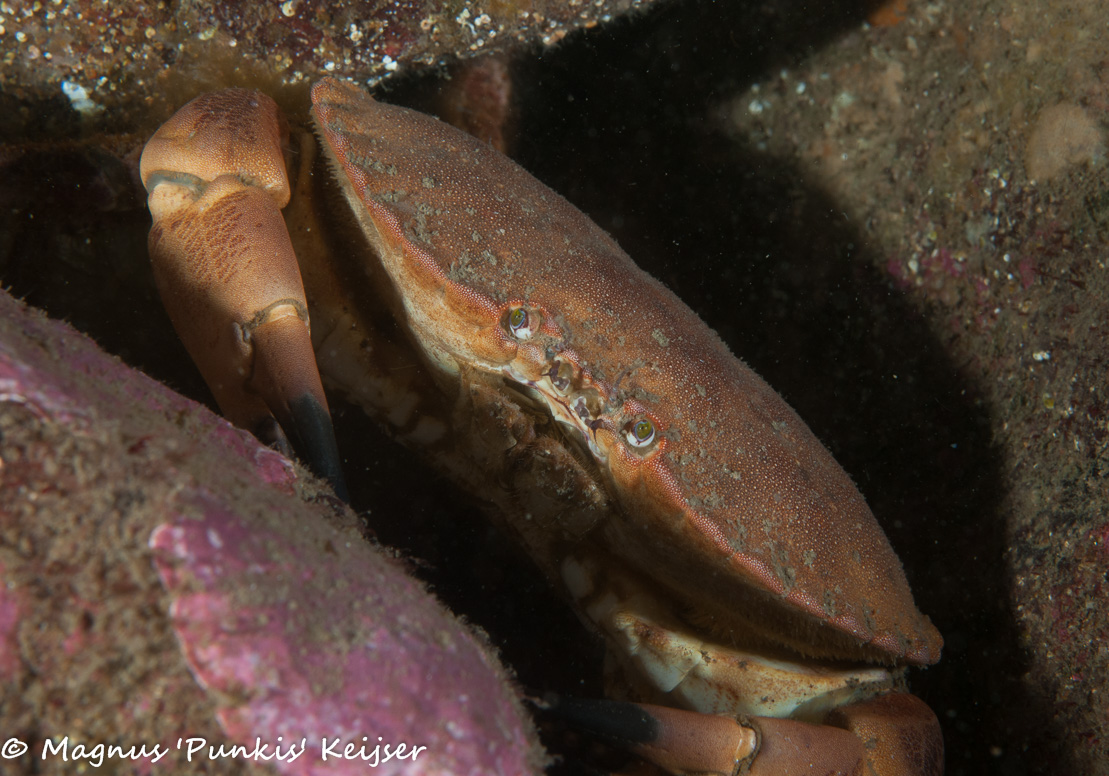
<point>688,512</point>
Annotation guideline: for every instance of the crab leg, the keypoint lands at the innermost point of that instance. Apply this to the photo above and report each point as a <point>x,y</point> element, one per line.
<point>227,274</point>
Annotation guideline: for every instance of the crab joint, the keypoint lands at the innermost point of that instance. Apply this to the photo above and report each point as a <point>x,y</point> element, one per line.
<point>227,274</point>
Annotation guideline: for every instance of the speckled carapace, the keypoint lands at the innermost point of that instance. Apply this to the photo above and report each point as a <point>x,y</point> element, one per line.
<point>736,507</point>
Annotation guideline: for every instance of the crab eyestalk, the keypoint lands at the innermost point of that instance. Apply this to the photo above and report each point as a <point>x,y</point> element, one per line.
<point>227,274</point>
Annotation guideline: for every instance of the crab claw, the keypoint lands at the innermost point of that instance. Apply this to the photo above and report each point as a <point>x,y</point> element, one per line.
<point>901,733</point>
<point>682,742</point>
<point>227,274</point>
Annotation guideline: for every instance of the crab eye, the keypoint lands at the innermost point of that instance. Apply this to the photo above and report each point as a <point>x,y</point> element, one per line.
<point>640,433</point>
<point>521,324</point>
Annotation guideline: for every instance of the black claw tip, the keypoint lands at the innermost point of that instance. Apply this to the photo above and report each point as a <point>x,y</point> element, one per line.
<point>627,724</point>
<point>314,439</point>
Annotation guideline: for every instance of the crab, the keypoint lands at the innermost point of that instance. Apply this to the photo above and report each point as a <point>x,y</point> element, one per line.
<point>754,610</point>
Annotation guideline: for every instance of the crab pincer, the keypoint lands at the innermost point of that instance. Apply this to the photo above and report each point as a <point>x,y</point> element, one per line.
<point>688,742</point>
<point>226,271</point>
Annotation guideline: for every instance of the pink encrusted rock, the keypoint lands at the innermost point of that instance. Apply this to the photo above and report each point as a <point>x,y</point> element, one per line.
<point>163,577</point>
<point>324,643</point>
